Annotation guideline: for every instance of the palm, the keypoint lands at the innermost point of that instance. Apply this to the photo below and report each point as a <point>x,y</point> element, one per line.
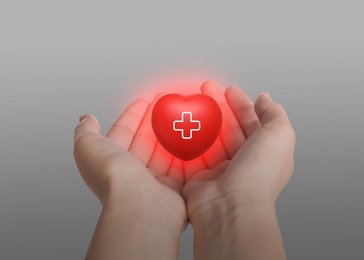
<point>165,174</point>
<point>144,162</point>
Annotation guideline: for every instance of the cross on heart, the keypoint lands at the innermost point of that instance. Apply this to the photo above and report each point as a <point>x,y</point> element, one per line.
<point>186,126</point>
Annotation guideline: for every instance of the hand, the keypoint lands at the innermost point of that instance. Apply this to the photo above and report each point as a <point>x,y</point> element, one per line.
<point>128,169</point>
<point>236,183</point>
<point>251,161</point>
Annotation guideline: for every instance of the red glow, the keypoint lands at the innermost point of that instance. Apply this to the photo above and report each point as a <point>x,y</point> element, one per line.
<point>184,82</point>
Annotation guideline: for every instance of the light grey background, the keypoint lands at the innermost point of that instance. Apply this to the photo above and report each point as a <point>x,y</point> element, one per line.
<point>61,59</point>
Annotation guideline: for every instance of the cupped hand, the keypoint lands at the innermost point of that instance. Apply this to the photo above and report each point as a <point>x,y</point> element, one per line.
<point>250,162</point>
<point>128,166</point>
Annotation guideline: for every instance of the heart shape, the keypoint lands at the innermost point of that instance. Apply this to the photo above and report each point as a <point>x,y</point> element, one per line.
<point>186,126</point>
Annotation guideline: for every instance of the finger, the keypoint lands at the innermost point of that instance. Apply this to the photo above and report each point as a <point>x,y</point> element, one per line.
<point>89,125</point>
<point>193,166</point>
<point>231,135</point>
<point>215,154</point>
<point>243,109</point>
<point>271,114</point>
<point>161,160</point>
<point>221,167</point>
<point>144,140</point>
<point>125,127</point>
<point>175,171</point>
<point>86,134</point>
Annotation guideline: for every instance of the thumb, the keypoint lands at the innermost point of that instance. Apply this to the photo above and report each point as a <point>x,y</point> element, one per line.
<point>86,132</point>
<point>271,114</point>
<point>89,125</point>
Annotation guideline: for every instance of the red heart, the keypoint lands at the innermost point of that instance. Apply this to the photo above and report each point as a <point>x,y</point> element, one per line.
<point>186,126</point>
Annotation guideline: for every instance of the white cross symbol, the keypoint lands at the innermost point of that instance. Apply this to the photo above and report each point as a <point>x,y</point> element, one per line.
<point>186,124</point>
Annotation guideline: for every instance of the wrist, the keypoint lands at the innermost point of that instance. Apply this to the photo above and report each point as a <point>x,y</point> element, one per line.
<point>146,208</point>
<point>230,206</point>
<point>249,232</point>
<point>131,229</point>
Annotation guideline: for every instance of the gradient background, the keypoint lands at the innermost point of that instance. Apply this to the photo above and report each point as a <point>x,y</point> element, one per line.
<point>60,60</point>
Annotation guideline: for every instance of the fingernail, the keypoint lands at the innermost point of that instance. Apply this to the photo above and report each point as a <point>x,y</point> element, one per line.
<point>267,95</point>
<point>82,118</point>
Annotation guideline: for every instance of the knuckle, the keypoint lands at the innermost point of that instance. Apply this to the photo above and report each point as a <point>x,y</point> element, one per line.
<point>123,129</point>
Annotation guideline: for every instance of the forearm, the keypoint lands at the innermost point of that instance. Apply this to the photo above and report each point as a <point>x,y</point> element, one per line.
<point>128,231</point>
<point>250,233</point>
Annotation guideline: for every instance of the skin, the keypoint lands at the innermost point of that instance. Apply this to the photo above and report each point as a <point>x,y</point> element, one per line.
<point>231,196</point>
<point>228,194</point>
<point>143,213</point>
